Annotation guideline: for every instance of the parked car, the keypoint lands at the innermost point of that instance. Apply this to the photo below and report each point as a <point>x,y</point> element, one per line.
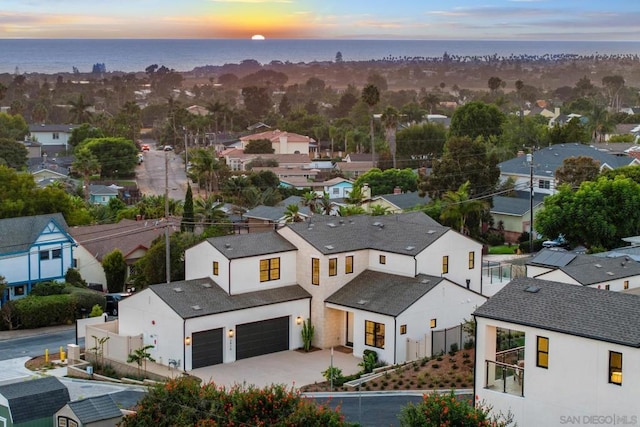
<point>113,300</point>
<point>145,147</point>
<point>140,158</point>
<point>558,242</point>
<point>168,148</point>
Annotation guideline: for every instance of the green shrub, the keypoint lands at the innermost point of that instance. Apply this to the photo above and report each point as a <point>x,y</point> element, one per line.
<point>44,289</point>
<point>36,312</point>
<point>308,330</point>
<point>85,299</point>
<point>369,359</point>
<point>96,311</point>
<point>333,373</point>
<point>73,278</point>
<point>453,349</point>
<point>537,246</point>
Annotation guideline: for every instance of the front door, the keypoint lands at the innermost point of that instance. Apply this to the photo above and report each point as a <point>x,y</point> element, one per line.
<point>349,342</point>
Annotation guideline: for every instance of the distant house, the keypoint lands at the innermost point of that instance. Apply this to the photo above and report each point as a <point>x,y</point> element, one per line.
<point>101,194</point>
<point>283,142</point>
<point>238,160</point>
<point>33,249</point>
<point>32,403</point>
<point>51,135</point>
<point>96,411</point>
<point>614,274</point>
<point>514,213</point>
<point>132,238</point>
<point>547,160</point>
<point>396,202</point>
<point>268,218</point>
<point>553,353</point>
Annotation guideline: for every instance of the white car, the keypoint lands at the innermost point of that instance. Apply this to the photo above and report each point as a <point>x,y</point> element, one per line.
<point>168,148</point>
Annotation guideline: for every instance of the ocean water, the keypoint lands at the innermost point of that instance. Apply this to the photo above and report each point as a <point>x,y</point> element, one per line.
<point>129,55</point>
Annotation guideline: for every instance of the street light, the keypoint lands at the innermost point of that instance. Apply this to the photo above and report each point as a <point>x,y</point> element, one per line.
<point>530,161</point>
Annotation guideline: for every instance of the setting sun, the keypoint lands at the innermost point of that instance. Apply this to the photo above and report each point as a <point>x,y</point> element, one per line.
<point>257,37</point>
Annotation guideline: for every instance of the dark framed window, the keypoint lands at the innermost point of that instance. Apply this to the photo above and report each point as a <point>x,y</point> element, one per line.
<point>615,367</point>
<point>445,264</point>
<point>56,254</point>
<point>269,269</point>
<point>44,255</point>
<point>403,329</point>
<point>383,259</point>
<point>626,284</point>
<point>543,183</point>
<point>18,290</point>
<point>542,358</point>
<point>75,263</point>
<point>333,266</point>
<point>472,260</point>
<point>348,264</point>
<point>374,334</point>
<point>216,268</point>
<point>433,323</point>
<point>315,271</point>
<point>607,287</point>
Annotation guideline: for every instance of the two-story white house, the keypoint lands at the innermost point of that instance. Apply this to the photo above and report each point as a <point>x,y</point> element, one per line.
<point>614,274</point>
<point>33,249</point>
<point>51,135</point>
<point>365,282</point>
<point>573,359</point>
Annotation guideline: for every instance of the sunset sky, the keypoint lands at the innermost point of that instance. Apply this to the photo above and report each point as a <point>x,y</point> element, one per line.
<point>324,19</point>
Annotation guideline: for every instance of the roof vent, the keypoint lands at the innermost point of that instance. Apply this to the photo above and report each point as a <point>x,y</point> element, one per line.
<point>425,281</point>
<point>532,289</point>
<point>431,231</point>
<point>206,285</point>
<point>331,224</point>
<point>227,245</point>
<point>196,307</point>
<point>597,265</point>
<point>610,273</point>
<point>330,247</point>
<point>363,302</point>
<point>410,248</point>
<point>177,289</point>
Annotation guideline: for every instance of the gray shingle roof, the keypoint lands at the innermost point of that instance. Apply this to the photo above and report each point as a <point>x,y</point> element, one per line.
<point>406,200</point>
<point>575,310</point>
<point>383,293</point>
<point>512,205</point>
<point>548,159</point>
<point>209,298</point>
<point>587,269</point>
<point>49,393</point>
<point>18,234</point>
<point>102,190</point>
<point>95,408</point>
<point>50,128</point>
<point>407,233</point>
<point>251,244</point>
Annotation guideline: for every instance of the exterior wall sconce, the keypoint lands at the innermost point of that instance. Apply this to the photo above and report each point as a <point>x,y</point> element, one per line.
<point>187,341</point>
<point>231,333</point>
<point>299,320</point>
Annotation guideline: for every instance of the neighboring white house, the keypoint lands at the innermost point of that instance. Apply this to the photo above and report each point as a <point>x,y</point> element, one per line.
<point>547,160</point>
<point>284,142</point>
<point>51,135</point>
<point>379,283</point>
<point>101,194</point>
<point>615,274</point>
<point>577,364</point>
<point>33,249</point>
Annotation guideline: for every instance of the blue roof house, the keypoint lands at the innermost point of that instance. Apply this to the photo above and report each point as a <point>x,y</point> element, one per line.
<point>33,249</point>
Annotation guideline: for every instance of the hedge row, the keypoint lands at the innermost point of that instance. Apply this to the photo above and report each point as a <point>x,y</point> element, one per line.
<point>39,311</point>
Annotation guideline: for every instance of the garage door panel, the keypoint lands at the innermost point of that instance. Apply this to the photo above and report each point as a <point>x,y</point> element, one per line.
<point>264,337</point>
<point>206,348</point>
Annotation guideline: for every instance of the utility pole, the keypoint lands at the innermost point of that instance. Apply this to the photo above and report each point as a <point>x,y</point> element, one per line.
<point>186,152</point>
<point>530,160</point>
<point>166,218</point>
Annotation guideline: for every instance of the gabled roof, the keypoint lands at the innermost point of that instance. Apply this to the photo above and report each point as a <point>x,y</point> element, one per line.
<point>48,392</point>
<point>575,310</point>
<point>50,128</point>
<point>383,293</point>
<point>360,157</point>
<point>587,269</point>
<point>18,234</point>
<point>102,190</point>
<point>407,234</point>
<point>251,244</point>
<point>406,200</point>
<point>547,160</point>
<point>275,135</point>
<point>127,235</point>
<point>95,408</point>
<point>203,297</point>
<point>514,206</point>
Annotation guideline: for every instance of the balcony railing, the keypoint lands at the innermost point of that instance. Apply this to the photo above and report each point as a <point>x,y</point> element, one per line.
<point>511,357</point>
<point>504,377</point>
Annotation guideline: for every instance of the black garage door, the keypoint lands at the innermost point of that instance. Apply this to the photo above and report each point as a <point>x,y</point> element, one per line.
<point>264,337</point>
<point>206,348</point>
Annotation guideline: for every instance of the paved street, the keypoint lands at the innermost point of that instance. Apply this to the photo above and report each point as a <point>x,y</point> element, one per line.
<point>150,175</point>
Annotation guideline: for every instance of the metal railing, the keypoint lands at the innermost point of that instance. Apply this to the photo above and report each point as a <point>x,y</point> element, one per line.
<point>504,377</point>
<point>511,356</point>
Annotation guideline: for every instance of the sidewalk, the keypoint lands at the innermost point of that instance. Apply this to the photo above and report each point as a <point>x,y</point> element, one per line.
<point>23,333</point>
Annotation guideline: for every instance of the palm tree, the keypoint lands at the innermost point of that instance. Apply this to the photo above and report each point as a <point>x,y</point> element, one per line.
<point>310,200</point>
<point>355,196</point>
<point>292,214</point>
<point>325,205</point>
<point>209,210</point>
<point>140,357</point>
<point>86,164</point>
<point>78,111</point>
<point>390,122</point>
<point>204,169</point>
<point>350,210</point>
<point>458,207</point>
<point>371,97</point>
<point>379,210</point>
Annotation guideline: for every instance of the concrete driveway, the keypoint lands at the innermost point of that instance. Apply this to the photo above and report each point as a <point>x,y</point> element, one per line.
<point>291,368</point>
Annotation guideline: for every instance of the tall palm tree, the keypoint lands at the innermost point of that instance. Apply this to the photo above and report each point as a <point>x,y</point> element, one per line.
<point>371,97</point>
<point>390,118</point>
<point>325,205</point>
<point>458,207</point>
<point>86,164</point>
<point>292,214</point>
<point>310,200</point>
<point>355,196</point>
<point>204,169</point>
<point>79,110</point>
<point>209,210</point>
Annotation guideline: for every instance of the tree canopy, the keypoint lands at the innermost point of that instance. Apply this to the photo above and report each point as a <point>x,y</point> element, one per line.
<point>598,215</point>
<point>476,119</point>
<point>13,153</point>
<point>384,182</point>
<point>116,156</point>
<point>13,127</point>
<point>575,170</point>
<point>259,146</point>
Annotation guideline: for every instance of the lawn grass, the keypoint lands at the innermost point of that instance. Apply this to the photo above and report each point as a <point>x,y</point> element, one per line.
<point>503,250</point>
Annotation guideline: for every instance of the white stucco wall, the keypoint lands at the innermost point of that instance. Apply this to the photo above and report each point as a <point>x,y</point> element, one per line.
<point>245,273</point>
<point>198,263</point>
<point>535,271</point>
<point>401,265</point>
<point>89,268</point>
<point>457,248</point>
<point>575,384</point>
